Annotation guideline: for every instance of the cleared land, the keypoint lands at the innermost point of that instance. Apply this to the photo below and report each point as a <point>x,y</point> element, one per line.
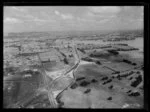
<point>81,71</point>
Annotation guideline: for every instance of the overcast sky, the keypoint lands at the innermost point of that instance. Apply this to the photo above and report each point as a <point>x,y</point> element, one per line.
<point>66,18</point>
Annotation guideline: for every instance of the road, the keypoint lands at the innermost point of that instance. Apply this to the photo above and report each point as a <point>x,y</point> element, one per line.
<point>51,96</point>
<point>50,92</point>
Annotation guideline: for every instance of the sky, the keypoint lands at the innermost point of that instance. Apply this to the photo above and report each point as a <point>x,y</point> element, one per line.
<point>70,18</point>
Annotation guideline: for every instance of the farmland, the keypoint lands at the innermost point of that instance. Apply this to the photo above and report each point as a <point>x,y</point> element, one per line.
<point>73,71</point>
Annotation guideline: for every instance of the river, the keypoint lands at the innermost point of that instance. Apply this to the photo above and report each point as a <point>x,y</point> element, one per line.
<point>137,43</point>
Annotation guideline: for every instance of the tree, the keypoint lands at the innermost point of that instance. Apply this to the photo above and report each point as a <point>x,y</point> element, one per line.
<point>98,62</point>
<point>66,61</point>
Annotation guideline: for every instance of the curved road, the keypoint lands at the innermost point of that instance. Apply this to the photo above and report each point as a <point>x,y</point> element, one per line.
<point>52,99</point>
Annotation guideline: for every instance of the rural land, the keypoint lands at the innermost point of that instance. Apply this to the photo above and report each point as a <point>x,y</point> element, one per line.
<point>75,69</point>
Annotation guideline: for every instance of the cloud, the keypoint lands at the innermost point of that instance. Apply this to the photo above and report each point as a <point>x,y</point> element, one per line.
<point>104,21</point>
<point>104,9</point>
<point>20,9</point>
<point>12,20</point>
<point>131,15</point>
<point>67,16</point>
<point>38,20</point>
<point>102,14</point>
<point>63,16</point>
<point>101,21</point>
<point>71,18</point>
<point>56,12</point>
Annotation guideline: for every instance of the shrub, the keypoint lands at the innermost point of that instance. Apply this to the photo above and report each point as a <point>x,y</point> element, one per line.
<point>109,98</point>
<point>137,81</point>
<point>134,94</point>
<point>108,81</point>
<point>130,78</point>
<point>80,78</point>
<point>87,91</point>
<point>110,87</point>
<point>84,83</point>
<point>113,77</point>
<point>129,91</point>
<point>94,80</point>
<point>104,78</point>
<point>66,61</point>
<point>73,86</point>
<point>60,104</point>
<point>138,72</point>
<point>98,62</point>
<point>127,61</point>
<point>87,59</point>
<point>134,64</point>
<point>113,52</point>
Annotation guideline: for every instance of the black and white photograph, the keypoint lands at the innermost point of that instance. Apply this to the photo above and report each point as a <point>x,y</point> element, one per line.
<point>87,57</point>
